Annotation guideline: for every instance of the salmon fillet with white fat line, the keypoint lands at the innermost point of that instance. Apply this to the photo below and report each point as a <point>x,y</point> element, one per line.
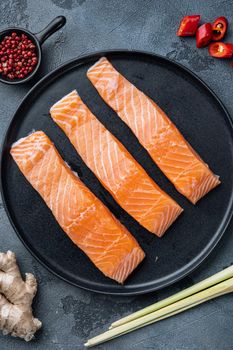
<point>114,166</point>
<point>87,222</point>
<point>155,131</point>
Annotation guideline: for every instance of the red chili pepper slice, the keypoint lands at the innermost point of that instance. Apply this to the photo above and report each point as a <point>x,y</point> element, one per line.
<point>219,28</point>
<point>204,35</point>
<point>188,25</point>
<point>221,50</point>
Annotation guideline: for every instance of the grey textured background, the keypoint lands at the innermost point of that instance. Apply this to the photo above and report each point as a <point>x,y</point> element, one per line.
<point>71,315</point>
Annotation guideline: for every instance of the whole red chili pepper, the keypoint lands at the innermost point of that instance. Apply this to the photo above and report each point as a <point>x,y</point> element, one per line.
<point>221,50</point>
<point>188,25</point>
<point>204,35</point>
<point>219,28</point>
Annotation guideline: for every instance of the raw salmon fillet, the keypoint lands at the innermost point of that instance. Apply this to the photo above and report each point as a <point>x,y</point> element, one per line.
<point>87,222</point>
<point>114,166</point>
<point>155,131</point>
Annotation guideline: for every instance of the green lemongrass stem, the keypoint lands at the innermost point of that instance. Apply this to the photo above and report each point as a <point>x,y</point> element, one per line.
<point>206,283</point>
<point>179,306</point>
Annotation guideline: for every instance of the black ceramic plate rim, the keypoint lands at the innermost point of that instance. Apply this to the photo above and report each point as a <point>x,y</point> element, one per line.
<point>188,268</point>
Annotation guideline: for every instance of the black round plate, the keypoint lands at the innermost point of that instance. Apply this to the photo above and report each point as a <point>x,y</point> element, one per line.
<point>199,115</point>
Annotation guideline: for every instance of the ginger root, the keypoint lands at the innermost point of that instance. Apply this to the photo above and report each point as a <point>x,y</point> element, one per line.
<point>16,298</point>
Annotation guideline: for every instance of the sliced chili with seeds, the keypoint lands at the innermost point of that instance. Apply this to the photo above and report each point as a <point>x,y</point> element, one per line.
<point>219,28</point>
<point>221,50</point>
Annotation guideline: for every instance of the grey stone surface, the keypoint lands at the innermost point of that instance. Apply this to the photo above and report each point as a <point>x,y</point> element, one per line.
<point>71,315</point>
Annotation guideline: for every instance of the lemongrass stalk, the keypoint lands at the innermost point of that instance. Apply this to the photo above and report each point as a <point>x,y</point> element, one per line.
<point>206,283</point>
<point>179,306</point>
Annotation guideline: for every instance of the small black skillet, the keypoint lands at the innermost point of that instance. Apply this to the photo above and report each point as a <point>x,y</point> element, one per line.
<point>38,39</point>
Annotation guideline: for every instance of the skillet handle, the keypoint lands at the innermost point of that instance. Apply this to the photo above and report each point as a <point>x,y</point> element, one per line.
<point>51,28</point>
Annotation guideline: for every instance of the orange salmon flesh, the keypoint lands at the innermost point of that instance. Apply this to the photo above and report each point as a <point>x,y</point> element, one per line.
<point>87,222</point>
<point>114,166</point>
<point>155,131</point>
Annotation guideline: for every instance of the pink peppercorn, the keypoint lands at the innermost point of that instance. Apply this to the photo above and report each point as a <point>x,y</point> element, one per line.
<point>18,56</point>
